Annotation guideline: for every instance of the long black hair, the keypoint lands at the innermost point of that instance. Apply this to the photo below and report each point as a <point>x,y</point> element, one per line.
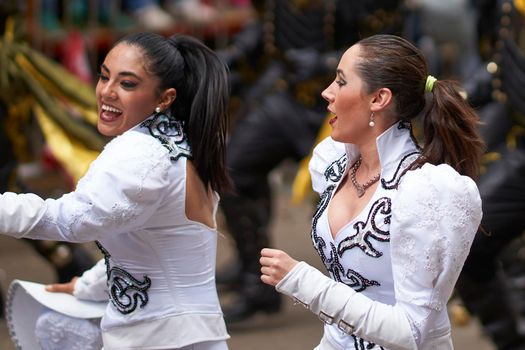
<point>201,80</point>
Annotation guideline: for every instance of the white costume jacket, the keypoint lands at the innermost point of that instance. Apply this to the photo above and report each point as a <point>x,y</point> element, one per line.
<point>392,268</point>
<point>160,266</point>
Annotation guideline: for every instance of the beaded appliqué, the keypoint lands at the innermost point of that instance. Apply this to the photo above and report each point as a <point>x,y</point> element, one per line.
<point>125,291</point>
<point>332,263</point>
<point>335,171</point>
<point>403,165</point>
<point>170,134</point>
<point>361,238</point>
<point>361,344</point>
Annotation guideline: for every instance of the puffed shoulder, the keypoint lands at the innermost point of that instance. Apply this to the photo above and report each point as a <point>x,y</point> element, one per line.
<point>435,217</point>
<point>133,155</point>
<point>133,144</point>
<point>327,163</point>
<point>440,187</point>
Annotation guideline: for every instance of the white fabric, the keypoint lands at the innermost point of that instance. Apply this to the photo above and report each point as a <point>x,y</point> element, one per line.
<point>28,301</point>
<point>402,253</point>
<point>93,284</point>
<point>161,264</point>
<point>56,331</point>
<point>18,216</point>
<point>209,345</point>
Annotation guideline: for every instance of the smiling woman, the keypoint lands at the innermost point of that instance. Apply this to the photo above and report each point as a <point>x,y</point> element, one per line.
<point>126,92</point>
<point>149,200</point>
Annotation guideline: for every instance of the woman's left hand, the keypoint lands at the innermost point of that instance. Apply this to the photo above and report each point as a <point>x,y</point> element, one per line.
<point>275,265</point>
<point>67,287</point>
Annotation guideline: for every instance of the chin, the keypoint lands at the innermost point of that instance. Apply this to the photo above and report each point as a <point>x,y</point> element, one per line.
<point>336,137</point>
<point>110,132</point>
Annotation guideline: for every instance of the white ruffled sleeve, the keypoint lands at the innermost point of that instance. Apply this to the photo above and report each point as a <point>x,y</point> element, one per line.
<point>327,162</point>
<point>434,220</point>
<point>120,191</point>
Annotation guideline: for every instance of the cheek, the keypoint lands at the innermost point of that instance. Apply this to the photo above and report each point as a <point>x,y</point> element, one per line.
<point>139,102</point>
<point>98,90</point>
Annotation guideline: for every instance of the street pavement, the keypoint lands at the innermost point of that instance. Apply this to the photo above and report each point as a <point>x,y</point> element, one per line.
<point>294,328</point>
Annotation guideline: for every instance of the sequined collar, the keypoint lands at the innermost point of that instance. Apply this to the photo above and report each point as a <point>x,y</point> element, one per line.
<point>392,143</point>
<point>168,132</point>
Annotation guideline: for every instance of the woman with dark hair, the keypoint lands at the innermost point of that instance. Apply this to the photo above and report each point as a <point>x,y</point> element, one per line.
<point>395,220</point>
<point>149,199</point>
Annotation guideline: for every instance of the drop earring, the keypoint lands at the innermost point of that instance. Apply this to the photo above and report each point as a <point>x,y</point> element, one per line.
<point>371,123</point>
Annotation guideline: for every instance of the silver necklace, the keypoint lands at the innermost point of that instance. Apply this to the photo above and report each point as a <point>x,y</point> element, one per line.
<point>361,189</point>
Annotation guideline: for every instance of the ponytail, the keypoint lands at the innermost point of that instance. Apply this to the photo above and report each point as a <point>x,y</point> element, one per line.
<point>202,105</point>
<point>450,125</point>
<point>450,131</point>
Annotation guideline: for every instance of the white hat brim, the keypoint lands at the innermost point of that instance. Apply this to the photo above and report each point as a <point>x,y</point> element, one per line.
<point>26,301</point>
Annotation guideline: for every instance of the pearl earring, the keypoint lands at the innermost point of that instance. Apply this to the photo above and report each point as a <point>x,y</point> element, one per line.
<point>157,109</point>
<point>372,123</point>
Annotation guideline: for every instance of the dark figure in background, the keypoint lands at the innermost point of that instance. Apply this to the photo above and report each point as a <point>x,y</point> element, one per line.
<point>296,46</point>
<point>491,284</point>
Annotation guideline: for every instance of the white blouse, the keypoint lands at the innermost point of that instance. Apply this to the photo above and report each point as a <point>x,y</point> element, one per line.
<point>392,268</point>
<point>160,265</point>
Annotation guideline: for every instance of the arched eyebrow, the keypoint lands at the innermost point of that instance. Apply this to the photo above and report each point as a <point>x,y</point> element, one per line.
<point>341,73</point>
<point>123,73</point>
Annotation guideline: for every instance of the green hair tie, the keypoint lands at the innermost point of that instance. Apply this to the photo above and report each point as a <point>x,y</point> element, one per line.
<point>429,84</point>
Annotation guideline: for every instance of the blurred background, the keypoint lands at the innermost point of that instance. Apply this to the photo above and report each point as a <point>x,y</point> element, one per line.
<point>281,54</point>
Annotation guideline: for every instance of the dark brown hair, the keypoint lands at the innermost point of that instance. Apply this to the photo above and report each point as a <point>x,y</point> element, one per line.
<point>449,125</point>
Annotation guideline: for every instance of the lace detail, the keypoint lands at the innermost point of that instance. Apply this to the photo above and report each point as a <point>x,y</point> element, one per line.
<point>55,331</point>
<point>132,159</point>
<point>408,255</point>
<point>436,215</point>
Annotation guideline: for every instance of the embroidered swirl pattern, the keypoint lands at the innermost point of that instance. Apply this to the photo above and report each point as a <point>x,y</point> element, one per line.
<point>365,231</point>
<point>335,171</point>
<point>406,161</point>
<point>170,134</point>
<point>125,291</point>
<point>361,344</point>
<point>356,281</point>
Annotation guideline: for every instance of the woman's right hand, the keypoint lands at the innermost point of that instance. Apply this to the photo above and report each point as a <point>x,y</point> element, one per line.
<point>68,287</point>
<point>275,264</point>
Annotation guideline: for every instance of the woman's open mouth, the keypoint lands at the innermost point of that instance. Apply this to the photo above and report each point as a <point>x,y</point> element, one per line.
<point>109,113</point>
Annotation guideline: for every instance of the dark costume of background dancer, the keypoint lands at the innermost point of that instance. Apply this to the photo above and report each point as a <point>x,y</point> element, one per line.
<point>491,284</point>
<point>294,46</point>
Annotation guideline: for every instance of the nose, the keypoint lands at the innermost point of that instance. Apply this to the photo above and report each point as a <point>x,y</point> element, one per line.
<point>107,91</point>
<point>327,94</point>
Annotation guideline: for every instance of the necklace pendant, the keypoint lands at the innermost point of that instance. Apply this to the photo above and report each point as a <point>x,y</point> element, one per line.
<point>360,192</point>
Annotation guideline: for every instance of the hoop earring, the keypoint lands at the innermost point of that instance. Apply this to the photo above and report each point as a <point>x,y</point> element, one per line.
<point>157,109</point>
<point>371,123</point>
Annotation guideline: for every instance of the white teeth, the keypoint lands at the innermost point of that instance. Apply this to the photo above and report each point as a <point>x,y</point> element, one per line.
<point>110,109</point>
